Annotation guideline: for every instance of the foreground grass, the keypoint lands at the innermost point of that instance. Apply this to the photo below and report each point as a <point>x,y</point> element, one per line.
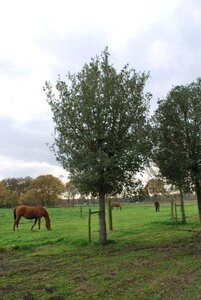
<point>148,257</point>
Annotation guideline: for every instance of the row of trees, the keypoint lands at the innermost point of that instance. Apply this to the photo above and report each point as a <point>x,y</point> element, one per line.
<point>104,134</point>
<point>44,190</point>
<point>48,190</point>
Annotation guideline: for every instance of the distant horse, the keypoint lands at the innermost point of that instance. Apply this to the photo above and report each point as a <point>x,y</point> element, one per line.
<point>31,212</point>
<point>157,205</point>
<point>116,204</point>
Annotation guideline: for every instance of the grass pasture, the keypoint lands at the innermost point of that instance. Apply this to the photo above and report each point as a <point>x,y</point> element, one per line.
<point>148,256</point>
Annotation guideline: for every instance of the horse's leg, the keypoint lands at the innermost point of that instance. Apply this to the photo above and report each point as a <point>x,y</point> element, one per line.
<point>14,226</point>
<point>16,222</point>
<point>34,223</point>
<point>39,223</point>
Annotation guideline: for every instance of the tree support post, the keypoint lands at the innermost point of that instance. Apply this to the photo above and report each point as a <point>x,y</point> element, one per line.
<point>110,214</point>
<point>89,226</point>
<point>175,207</point>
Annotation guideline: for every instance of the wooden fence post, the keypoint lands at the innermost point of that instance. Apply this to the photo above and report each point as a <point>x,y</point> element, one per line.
<point>110,214</point>
<point>172,208</point>
<point>175,206</point>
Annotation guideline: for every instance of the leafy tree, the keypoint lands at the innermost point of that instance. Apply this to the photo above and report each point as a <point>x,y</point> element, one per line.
<point>44,190</point>
<point>18,185</point>
<point>13,199</point>
<point>70,190</point>
<point>101,128</point>
<point>177,138</point>
<point>31,197</point>
<point>155,186</point>
<point>15,188</point>
<point>4,195</point>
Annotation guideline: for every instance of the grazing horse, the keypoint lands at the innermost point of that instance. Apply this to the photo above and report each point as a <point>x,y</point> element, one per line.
<point>31,212</point>
<point>157,205</point>
<point>116,204</point>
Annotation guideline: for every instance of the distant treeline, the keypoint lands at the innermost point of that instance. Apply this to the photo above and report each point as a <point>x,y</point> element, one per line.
<point>48,190</point>
<point>45,190</point>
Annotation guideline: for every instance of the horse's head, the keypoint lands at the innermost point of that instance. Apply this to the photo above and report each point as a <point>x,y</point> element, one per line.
<point>48,226</point>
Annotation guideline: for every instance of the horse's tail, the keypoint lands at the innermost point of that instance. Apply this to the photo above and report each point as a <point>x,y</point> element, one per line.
<point>14,213</point>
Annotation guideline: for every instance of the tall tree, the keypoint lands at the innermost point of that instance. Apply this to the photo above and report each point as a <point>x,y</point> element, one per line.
<point>101,128</point>
<point>177,142</point>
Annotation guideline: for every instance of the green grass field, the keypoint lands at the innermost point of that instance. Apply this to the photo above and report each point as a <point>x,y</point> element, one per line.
<point>148,256</point>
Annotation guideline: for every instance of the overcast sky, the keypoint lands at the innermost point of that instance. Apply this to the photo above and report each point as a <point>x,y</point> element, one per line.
<point>41,39</point>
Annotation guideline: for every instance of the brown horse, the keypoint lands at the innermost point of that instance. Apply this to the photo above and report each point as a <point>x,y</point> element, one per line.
<point>157,205</point>
<point>116,204</point>
<point>31,212</point>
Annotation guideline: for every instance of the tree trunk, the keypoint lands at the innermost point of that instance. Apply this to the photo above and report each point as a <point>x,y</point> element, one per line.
<point>198,193</point>
<point>102,223</point>
<point>183,215</point>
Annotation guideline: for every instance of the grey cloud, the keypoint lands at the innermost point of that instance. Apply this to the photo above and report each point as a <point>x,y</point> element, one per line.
<point>181,35</point>
<point>73,51</point>
<point>27,141</point>
<point>182,63</point>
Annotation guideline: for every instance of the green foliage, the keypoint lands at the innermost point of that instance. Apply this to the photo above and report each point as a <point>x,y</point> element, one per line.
<point>177,126</point>
<point>155,186</point>
<point>101,125</point>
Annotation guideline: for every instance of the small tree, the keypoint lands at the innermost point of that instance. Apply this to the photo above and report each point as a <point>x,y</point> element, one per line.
<point>101,128</point>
